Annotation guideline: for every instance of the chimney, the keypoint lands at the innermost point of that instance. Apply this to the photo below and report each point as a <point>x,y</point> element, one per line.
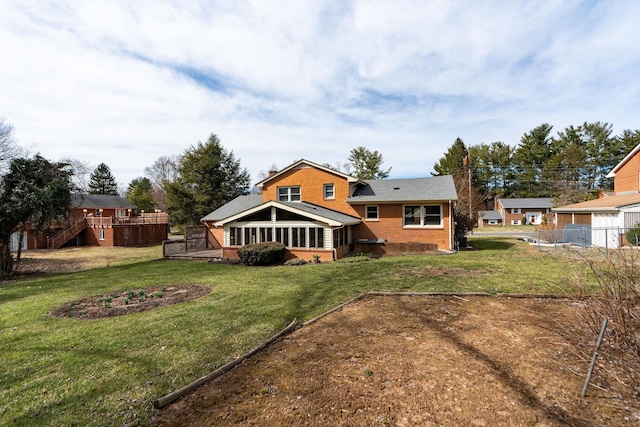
<point>272,172</point>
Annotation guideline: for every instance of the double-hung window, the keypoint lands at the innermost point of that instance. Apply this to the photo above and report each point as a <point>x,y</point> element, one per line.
<point>422,216</point>
<point>329,191</point>
<point>371,213</point>
<point>289,194</point>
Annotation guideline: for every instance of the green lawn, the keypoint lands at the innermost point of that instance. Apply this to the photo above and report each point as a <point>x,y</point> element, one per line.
<point>107,372</point>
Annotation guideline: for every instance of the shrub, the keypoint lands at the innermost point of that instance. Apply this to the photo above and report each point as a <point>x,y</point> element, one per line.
<point>262,253</point>
<point>295,261</point>
<point>355,258</point>
<point>633,236</point>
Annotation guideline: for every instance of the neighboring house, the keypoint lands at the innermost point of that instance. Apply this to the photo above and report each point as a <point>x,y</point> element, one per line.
<point>317,211</point>
<point>489,219</point>
<point>524,211</point>
<point>607,218</point>
<point>102,220</point>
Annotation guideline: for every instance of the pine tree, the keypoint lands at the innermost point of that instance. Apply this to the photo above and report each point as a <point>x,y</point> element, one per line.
<point>208,176</point>
<point>102,181</point>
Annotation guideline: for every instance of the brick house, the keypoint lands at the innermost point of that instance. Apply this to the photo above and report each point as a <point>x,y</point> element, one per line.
<point>315,210</point>
<point>608,217</point>
<point>101,220</point>
<point>520,211</point>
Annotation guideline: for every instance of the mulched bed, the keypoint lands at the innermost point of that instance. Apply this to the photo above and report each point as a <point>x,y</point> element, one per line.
<point>129,301</point>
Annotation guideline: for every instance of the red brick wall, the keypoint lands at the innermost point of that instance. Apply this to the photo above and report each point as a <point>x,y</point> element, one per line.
<point>311,182</point>
<point>133,235</point>
<point>389,227</point>
<point>627,177</point>
<point>140,235</point>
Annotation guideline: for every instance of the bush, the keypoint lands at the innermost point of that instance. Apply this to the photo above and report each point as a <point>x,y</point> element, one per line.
<point>633,236</point>
<point>353,258</point>
<point>262,253</point>
<point>295,261</point>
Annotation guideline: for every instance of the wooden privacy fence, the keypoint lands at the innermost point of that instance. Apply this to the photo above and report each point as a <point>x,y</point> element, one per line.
<point>195,239</point>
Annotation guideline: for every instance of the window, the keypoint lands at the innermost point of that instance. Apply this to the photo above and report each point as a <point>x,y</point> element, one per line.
<point>515,222</point>
<point>289,194</point>
<point>298,239</point>
<point>515,210</point>
<point>282,235</point>
<point>235,236</point>
<point>250,235</point>
<point>316,237</point>
<point>423,216</point>
<point>101,234</point>
<point>412,215</point>
<point>329,191</point>
<point>432,215</point>
<point>371,213</point>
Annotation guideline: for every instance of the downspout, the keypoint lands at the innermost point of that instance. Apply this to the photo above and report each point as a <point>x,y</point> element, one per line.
<point>451,225</point>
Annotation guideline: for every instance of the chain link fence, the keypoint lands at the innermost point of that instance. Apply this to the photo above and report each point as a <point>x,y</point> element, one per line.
<point>578,236</point>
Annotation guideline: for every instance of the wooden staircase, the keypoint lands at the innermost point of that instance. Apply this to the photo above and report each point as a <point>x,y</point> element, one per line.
<point>62,237</point>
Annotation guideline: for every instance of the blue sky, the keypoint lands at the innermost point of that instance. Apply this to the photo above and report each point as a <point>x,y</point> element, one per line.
<point>125,82</point>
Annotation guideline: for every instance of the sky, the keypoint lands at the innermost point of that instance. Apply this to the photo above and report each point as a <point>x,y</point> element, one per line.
<point>125,82</point>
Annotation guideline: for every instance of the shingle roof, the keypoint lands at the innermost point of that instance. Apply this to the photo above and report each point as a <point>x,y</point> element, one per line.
<point>246,203</point>
<point>97,201</point>
<point>234,207</point>
<point>605,204</point>
<point>490,215</point>
<point>434,188</point>
<point>538,202</point>
<point>323,212</point>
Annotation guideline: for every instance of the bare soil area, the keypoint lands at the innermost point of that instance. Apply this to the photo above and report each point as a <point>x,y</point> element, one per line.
<point>422,361</point>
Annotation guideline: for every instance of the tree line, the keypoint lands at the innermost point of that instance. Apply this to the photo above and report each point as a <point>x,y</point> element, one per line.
<point>570,166</point>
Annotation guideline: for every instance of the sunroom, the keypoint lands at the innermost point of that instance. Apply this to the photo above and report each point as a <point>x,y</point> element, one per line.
<point>306,230</point>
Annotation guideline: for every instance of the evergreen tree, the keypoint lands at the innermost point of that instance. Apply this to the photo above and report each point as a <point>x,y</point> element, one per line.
<point>140,193</point>
<point>102,181</point>
<point>34,191</point>
<point>530,158</point>
<point>453,161</point>
<point>208,177</point>
<point>367,164</point>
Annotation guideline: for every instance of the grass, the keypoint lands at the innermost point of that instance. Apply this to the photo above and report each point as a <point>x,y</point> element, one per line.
<point>108,371</point>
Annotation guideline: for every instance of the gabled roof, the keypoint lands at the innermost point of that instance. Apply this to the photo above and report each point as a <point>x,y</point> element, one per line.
<point>625,160</point>
<point>435,188</point>
<point>490,215</point>
<point>100,201</point>
<point>237,205</point>
<point>606,204</point>
<point>527,203</point>
<point>302,163</point>
<point>246,205</point>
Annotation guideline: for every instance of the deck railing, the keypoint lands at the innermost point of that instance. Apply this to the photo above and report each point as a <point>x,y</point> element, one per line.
<point>145,218</point>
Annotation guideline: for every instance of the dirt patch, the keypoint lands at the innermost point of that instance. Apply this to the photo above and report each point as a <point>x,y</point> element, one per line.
<point>129,301</point>
<point>417,361</point>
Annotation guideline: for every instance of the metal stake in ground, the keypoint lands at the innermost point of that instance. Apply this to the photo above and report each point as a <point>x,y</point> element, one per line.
<point>595,356</point>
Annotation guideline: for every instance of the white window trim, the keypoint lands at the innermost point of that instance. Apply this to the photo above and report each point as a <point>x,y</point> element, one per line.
<point>366,210</point>
<point>516,211</point>
<point>101,234</point>
<point>422,225</point>
<point>288,188</point>
<point>333,191</point>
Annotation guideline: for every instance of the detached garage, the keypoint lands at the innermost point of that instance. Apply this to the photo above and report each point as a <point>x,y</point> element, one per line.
<point>608,218</point>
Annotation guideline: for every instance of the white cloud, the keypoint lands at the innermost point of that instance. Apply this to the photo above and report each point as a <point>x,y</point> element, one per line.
<point>127,82</point>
